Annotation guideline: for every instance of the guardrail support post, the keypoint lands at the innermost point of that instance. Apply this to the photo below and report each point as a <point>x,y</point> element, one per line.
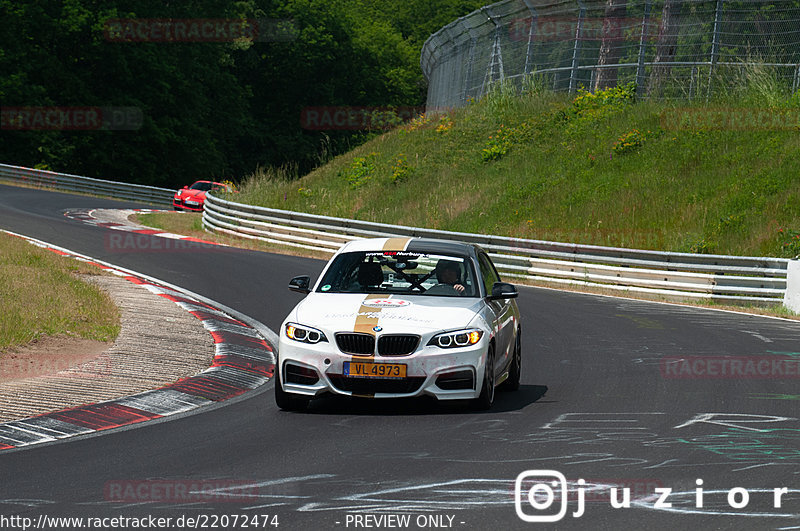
<point>792,297</point>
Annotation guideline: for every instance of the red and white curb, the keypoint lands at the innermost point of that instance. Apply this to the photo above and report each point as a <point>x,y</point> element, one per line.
<point>243,361</point>
<point>93,217</point>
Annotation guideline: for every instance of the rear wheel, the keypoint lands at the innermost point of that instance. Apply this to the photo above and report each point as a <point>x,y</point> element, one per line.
<point>515,369</point>
<point>486,398</point>
<point>288,401</point>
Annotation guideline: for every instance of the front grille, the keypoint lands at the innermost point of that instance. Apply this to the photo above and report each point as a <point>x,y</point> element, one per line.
<point>391,345</point>
<point>451,381</point>
<point>370,386</point>
<point>299,375</point>
<point>356,343</point>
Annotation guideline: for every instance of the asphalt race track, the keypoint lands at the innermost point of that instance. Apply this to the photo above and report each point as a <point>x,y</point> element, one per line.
<point>615,392</point>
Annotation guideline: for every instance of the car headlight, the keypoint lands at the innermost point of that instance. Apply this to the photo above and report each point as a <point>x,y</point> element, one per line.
<point>457,339</point>
<point>304,334</point>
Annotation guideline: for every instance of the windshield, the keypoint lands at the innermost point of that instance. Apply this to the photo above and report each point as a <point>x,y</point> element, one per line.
<point>204,187</point>
<point>404,273</point>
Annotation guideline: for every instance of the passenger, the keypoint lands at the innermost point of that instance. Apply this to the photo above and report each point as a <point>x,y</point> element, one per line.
<point>447,273</point>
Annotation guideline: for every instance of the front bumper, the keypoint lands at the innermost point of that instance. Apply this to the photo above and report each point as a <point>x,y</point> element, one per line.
<point>446,374</point>
<point>177,204</point>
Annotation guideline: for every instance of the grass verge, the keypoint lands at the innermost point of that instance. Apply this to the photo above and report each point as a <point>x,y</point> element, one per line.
<point>41,296</point>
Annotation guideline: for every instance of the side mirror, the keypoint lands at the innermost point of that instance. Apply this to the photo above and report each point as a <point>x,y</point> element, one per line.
<point>300,284</point>
<point>185,187</point>
<point>503,290</point>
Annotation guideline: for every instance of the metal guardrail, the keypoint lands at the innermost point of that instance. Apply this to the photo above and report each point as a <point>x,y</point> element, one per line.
<point>86,185</point>
<point>758,280</point>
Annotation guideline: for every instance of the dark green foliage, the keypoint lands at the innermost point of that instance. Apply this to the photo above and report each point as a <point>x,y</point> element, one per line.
<point>210,109</point>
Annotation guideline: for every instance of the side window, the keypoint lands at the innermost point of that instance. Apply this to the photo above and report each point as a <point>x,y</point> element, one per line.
<point>488,272</point>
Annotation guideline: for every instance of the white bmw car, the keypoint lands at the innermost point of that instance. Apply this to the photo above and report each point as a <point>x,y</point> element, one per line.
<point>401,317</point>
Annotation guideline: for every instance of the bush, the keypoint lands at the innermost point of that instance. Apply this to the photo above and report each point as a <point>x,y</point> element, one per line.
<point>445,124</point>
<point>360,170</point>
<point>628,142</point>
<point>593,104</point>
<point>400,168</point>
<point>501,141</point>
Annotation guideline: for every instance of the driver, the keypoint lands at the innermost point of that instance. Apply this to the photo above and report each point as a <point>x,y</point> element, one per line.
<point>447,273</point>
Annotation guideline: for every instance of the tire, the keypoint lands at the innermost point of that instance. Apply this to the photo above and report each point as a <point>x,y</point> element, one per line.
<point>486,398</point>
<point>514,369</point>
<point>288,401</point>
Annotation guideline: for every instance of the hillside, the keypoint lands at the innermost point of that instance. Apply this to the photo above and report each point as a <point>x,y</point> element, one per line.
<point>596,168</point>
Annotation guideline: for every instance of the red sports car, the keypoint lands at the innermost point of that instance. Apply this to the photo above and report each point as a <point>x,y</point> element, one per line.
<point>194,197</point>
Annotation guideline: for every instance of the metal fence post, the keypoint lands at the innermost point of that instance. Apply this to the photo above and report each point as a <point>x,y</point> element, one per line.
<point>640,67</point>
<point>468,75</point>
<point>796,81</point>
<point>496,59</point>
<point>531,33</point>
<point>714,46</point>
<point>573,74</point>
<point>497,52</point>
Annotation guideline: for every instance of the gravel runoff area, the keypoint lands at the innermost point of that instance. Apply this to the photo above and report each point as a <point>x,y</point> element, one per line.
<point>158,343</point>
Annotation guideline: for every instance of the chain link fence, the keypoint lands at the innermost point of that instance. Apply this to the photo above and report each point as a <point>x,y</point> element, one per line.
<point>670,48</point>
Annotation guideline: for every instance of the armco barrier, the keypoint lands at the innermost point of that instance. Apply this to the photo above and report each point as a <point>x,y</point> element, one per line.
<point>757,280</point>
<point>86,185</point>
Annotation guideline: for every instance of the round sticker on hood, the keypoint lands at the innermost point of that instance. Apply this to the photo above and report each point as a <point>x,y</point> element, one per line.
<point>386,303</point>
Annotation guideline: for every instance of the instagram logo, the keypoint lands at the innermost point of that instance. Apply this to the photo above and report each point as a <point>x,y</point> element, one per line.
<point>536,489</point>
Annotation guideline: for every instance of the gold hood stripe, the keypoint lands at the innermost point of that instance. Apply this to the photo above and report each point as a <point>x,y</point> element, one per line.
<point>365,323</point>
<point>396,244</point>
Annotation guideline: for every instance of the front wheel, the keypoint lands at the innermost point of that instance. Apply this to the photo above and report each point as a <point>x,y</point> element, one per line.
<point>486,398</point>
<point>288,401</point>
<point>515,369</point>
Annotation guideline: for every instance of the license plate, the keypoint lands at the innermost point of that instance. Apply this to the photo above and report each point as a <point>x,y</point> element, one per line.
<point>358,369</point>
<point>192,203</point>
